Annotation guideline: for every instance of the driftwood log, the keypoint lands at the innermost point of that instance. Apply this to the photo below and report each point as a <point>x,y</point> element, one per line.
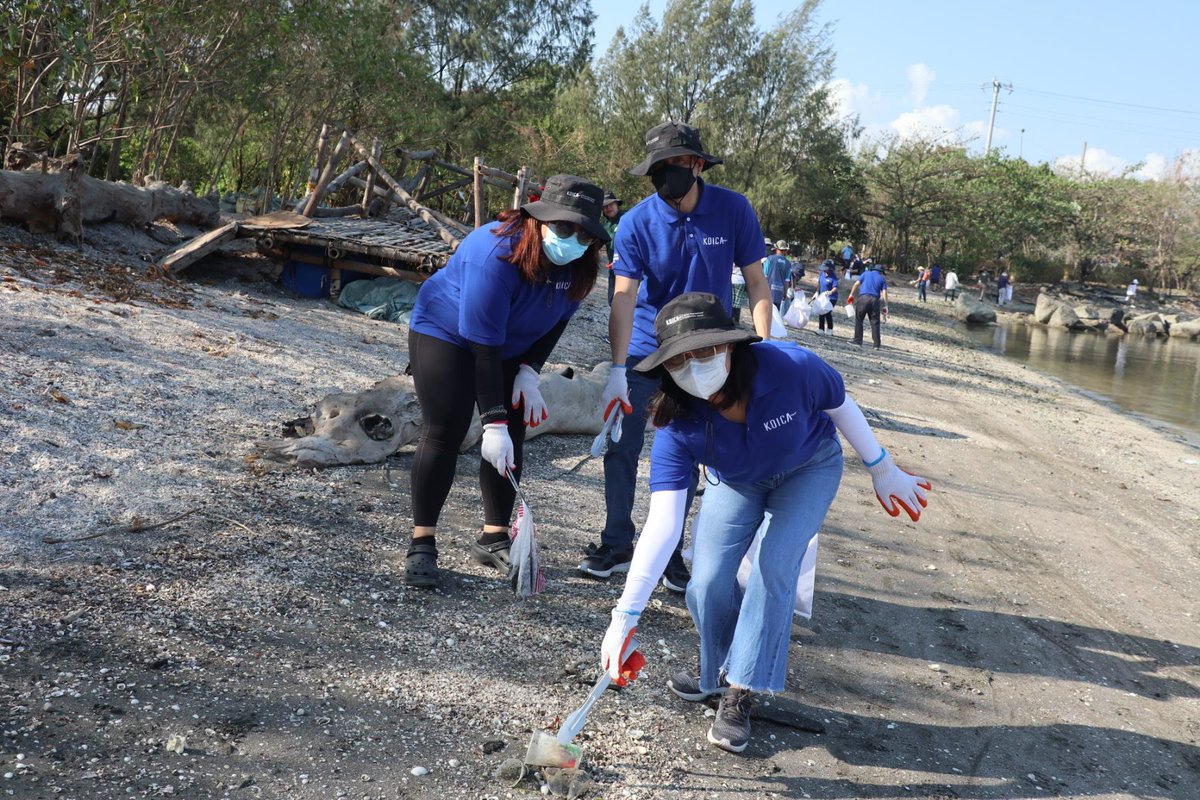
<point>65,202</point>
<point>367,427</point>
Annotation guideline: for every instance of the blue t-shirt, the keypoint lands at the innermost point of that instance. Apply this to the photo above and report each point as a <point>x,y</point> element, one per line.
<point>871,282</point>
<point>785,423</point>
<point>778,270</point>
<point>826,282</point>
<point>480,297</point>
<point>673,253</point>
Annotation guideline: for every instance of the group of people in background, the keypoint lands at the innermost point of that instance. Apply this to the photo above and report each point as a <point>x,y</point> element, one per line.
<point>761,416</point>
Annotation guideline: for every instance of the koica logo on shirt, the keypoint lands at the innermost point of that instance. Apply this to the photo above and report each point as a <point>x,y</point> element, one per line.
<point>714,240</point>
<point>778,422</point>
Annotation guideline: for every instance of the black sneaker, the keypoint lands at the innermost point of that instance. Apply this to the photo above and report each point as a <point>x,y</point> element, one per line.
<point>676,575</point>
<point>687,686</point>
<point>604,561</point>
<point>731,729</point>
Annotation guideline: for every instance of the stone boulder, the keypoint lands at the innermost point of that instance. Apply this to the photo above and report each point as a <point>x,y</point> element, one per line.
<point>972,311</point>
<point>1045,308</point>
<point>1147,325</point>
<point>1065,317</point>
<point>1092,318</point>
<point>1186,328</point>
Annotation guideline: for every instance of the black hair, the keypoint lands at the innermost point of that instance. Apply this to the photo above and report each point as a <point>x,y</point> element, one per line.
<point>671,402</point>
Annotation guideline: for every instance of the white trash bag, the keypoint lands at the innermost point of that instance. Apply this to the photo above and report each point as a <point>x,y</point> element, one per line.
<point>798,314</point>
<point>805,582</point>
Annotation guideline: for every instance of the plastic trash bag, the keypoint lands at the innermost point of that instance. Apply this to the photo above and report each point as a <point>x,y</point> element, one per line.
<point>778,331</point>
<point>798,313</point>
<point>526,574</point>
<point>805,582</point>
<point>821,304</point>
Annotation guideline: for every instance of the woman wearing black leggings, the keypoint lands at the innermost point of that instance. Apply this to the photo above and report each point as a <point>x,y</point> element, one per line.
<point>480,331</point>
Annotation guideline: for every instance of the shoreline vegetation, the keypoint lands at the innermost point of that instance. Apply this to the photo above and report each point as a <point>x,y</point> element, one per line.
<point>178,619</point>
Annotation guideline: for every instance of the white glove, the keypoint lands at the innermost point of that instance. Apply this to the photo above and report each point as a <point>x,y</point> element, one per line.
<point>497,447</point>
<point>898,489</point>
<point>616,641</point>
<point>616,391</point>
<point>525,389</point>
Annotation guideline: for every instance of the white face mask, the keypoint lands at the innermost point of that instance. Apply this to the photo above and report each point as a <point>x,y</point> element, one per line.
<point>702,377</point>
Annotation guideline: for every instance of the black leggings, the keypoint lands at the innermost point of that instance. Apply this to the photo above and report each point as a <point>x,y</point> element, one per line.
<point>444,375</point>
<point>825,320</point>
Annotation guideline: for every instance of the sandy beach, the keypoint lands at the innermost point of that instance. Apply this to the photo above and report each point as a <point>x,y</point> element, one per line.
<point>234,630</point>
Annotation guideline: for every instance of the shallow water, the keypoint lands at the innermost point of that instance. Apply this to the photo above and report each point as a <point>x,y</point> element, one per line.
<point>1159,378</point>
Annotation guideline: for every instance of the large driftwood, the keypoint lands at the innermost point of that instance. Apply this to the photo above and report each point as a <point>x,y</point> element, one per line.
<point>367,427</point>
<point>64,202</point>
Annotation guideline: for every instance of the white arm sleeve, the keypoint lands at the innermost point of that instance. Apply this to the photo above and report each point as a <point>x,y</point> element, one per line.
<point>660,534</point>
<point>848,418</point>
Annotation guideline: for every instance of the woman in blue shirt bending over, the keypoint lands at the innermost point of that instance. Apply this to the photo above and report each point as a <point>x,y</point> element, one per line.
<point>764,418</point>
<point>481,329</point>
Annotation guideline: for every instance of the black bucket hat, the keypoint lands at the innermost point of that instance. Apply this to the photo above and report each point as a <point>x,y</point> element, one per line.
<point>673,139</point>
<point>569,198</point>
<point>609,197</point>
<point>689,322</point>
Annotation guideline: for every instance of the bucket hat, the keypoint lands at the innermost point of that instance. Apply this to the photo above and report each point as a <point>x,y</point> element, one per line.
<point>609,197</point>
<point>569,198</point>
<point>781,245</point>
<point>673,139</point>
<point>689,322</point>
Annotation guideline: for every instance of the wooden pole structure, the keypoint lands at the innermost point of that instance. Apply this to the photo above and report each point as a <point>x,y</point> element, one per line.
<point>334,184</point>
<point>391,197</point>
<point>446,233</point>
<point>478,191</point>
<point>519,191</point>
<point>327,174</point>
<point>369,191</point>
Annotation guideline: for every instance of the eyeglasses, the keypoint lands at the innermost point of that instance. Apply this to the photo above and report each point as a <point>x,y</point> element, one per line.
<point>564,230</point>
<point>675,362</point>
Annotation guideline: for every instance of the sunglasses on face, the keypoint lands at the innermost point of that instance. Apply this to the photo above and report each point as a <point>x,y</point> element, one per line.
<point>675,362</point>
<point>564,230</point>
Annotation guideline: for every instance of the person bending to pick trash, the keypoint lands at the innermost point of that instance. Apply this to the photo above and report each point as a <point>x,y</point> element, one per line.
<point>481,329</point>
<point>687,236</point>
<point>764,417</point>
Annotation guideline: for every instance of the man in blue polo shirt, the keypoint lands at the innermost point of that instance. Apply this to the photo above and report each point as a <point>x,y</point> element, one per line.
<point>869,296</point>
<point>686,237</point>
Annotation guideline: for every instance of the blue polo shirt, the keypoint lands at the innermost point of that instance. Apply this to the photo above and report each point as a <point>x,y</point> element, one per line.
<point>785,423</point>
<point>480,297</point>
<point>673,253</point>
<point>872,283</point>
<point>826,282</point>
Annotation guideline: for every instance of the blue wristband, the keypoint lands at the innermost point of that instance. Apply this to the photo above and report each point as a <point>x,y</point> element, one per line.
<point>882,455</point>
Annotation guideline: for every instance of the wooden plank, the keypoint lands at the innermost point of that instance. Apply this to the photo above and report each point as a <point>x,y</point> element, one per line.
<point>190,252</point>
<point>355,266</point>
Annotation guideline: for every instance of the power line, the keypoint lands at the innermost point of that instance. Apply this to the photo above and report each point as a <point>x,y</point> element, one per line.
<point>1111,102</point>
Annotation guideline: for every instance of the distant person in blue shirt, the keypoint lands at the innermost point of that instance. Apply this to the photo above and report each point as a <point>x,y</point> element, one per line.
<point>480,331</point>
<point>869,296</point>
<point>778,269</point>
<point>764,418</point>
<point>827,283</point>
<point>847,255</point>
<point>685,237</point>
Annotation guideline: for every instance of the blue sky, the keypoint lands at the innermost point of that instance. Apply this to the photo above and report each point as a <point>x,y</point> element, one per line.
<point>1120,76</point>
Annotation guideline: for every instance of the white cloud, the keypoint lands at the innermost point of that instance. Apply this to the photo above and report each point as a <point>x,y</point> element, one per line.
<point>849,98</point>
<point>1098,162</point>
<point>1154,167</point>
<point>920,78</point>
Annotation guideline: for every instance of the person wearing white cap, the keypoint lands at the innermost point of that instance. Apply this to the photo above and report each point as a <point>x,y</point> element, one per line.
<point>1131,292</point>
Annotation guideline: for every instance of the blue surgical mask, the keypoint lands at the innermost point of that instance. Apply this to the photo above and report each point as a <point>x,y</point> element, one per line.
<point>561,250</point>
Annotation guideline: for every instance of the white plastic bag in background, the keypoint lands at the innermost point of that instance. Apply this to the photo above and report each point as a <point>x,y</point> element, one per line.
<point>778,331</point>
<point>850,310</point>
<point>821,304</point>
<point>797,315</point>
<point>805,582</point>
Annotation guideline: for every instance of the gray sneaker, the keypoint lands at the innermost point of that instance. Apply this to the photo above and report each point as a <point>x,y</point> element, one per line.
<point>731,729</point>
<point>687,686</point>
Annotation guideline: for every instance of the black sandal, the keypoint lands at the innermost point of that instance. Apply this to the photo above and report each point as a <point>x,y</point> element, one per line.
<point>420,566</point>
<point>492,555</point>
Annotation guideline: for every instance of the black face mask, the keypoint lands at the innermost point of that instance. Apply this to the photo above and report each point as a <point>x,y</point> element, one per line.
<point>672,181</point>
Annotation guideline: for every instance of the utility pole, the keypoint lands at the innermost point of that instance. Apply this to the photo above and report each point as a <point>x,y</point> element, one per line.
<point>1082,158</point>
<point>996,87</point>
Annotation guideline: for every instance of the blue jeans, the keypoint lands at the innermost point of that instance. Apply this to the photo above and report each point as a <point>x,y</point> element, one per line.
<point>745,635</point>
<point>621,465</point>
